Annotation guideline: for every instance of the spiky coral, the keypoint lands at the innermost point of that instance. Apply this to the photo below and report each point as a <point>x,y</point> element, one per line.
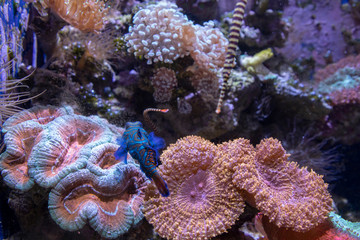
<point>290,196</point>
<point>202,203</point>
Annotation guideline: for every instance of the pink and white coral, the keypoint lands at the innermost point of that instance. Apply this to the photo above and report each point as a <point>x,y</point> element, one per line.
<point>210,46</point>
<point>164,81</point>
<point>158,33</point>
<point>161,33</point>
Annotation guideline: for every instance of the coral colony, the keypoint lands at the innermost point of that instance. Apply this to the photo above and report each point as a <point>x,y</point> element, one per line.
<point>260,140</point>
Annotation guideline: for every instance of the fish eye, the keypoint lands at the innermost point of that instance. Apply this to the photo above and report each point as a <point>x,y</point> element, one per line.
<point>139,133</point>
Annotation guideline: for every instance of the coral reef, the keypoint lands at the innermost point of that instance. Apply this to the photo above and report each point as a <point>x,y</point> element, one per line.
<point>100,63</point>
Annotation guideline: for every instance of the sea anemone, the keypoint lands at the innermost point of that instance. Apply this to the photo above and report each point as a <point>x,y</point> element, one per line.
<point>85,15</point>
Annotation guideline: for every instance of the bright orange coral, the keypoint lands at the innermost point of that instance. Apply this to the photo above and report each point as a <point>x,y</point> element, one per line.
<point>203,201</point>
<point>290,196</point>
<point>86,15</point>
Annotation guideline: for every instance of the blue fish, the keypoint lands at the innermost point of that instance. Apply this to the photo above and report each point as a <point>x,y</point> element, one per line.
<point>144,148</point>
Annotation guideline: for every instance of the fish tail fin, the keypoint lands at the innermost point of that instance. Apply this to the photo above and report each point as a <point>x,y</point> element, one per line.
<point>161,184</point>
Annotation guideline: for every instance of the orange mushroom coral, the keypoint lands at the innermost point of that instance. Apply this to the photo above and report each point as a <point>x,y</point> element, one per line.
<point>85,15</point>
<point>202,204</point>
<point>289,196</point>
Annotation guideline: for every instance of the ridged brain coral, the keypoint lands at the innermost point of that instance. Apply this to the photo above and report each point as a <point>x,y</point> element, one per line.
<point>290,196</point>
<point>109,203</point>
<point>64,147</point>
<point>22,131</point>
<point>73,156</point>
<point>203,201</point>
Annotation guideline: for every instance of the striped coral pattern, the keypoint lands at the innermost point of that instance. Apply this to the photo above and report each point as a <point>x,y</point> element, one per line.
<point>234,35</point>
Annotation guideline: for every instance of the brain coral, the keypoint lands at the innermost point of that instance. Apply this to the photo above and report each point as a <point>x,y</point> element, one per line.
<point>73,155</point>
<point>64,147</point>
<point>158,33</point>
<point>290,196</point>
<point>202,203</point>
<point>109,203</point>
<point>22,130</point>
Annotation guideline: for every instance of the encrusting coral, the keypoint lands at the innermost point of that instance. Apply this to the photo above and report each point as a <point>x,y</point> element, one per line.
<point>351,228</point>
<point>202,204</point>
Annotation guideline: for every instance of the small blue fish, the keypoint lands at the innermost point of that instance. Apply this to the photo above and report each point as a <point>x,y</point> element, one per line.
<point>145,148</point>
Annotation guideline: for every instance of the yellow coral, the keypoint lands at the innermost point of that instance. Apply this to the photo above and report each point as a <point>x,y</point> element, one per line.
<point>252,62</point>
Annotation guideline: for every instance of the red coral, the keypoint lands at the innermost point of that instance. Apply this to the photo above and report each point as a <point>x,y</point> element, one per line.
<point>334,234</point>
<point>350,61</point>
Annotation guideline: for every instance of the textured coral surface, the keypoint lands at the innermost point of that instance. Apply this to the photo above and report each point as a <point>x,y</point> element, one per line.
<point>201,204</point>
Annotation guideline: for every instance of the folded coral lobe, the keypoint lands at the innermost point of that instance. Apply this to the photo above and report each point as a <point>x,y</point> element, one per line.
<point>110,203</point>
<point>14,161</point>
<point>65,147</point>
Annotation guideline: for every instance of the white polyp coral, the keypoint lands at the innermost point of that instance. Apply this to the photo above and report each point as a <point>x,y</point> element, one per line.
<point>210,46</point>
<point>161,33</point>
<point>164,81</point>
<point>157,33</point>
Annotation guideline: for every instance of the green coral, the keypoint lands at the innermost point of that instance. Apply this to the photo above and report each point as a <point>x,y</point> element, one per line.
<point>345,78</point>
<point>352,228</point>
